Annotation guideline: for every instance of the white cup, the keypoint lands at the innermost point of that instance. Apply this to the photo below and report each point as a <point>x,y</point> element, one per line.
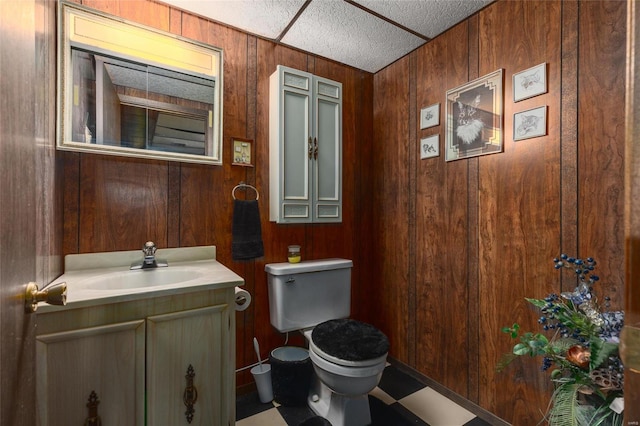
<point>262,376</point>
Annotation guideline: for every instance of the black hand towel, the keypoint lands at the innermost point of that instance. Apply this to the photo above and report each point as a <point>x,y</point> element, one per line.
<point>246,230</point>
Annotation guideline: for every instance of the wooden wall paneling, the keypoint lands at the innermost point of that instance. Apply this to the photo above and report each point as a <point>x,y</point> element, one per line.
<point>173,203</point>
<point>518,217</point>
<point>205,209</point>
<point>146,12</point>
<point>413,154</point>
<point>441,224</point>
<point>71,202</point>
<point>175,21</point>
<point>377,300</point>
<point>602,56</point>
<point>363,278</point>
<point>123,203</point>
<point>391,103</point>
<point>473,289</point>
<point>632,216</point>
<point>245,320</point>
<point>569,138</point>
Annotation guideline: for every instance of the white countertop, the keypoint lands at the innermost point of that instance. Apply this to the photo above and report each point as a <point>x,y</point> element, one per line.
<point>102,278</point>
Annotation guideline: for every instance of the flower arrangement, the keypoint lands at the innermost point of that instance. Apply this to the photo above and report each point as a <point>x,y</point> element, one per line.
<point>581,343</point>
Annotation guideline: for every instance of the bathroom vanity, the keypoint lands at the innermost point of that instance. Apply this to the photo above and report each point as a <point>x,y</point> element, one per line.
<point>139,347</point>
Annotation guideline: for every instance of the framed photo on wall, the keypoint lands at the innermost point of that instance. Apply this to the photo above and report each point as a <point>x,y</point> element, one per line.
<point>430,146</point>
<point>242,152</point>
<point>530,124</point>
<point>430,116</point>
<point>474,118</point>
<point>530,82</point>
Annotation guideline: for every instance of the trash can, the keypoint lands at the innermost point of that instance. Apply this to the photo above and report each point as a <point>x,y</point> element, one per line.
<point>291,372</point>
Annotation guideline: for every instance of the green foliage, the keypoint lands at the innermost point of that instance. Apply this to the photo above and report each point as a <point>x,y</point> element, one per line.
<point>580,343</point>
<point>565,410</point>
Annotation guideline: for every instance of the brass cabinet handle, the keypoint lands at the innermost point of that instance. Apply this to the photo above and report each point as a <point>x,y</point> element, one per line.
<point>92,405</point>
<point>310,148</point>
<point>190,395</point>
<point>315,148</point>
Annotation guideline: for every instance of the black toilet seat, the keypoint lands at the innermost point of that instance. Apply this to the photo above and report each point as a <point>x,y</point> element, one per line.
<point>350,340</point>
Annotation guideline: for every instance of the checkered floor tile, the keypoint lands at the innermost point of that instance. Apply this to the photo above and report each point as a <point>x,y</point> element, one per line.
<point>399,400</point>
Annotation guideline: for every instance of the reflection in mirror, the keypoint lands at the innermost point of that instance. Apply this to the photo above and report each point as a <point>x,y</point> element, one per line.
<point>116,103</point>
<point>130,104</point>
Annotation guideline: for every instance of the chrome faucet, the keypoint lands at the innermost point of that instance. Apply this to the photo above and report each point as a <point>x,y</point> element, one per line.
<point>149,260</point>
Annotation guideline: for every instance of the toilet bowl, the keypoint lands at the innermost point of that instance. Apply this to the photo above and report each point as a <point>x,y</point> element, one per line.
<point>348,356</point>
<point>347,367</point>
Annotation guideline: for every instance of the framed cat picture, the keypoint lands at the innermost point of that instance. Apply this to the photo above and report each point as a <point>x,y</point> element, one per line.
<point>474,118</point>
<point>530,124</point>
<point>529,83</point>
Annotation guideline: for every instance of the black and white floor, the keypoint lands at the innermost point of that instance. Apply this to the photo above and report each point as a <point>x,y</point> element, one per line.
<point>399,400</point>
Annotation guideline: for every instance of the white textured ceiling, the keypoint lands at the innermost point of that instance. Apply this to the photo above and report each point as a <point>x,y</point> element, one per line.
<point>366,34</point>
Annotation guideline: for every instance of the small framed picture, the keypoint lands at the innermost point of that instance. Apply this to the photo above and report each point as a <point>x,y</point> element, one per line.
<point>241,152</point>
<point>530,124</point>
<point>430,146</point>
<point>529,83</point>
<point>430,116</point>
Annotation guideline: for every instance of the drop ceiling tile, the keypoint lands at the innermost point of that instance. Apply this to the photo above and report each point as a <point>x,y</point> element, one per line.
<point>426,17</point>
<point>266,18</point>
<point>345,33</point>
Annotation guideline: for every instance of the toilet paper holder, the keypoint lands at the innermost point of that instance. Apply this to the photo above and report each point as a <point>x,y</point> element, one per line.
<point>242,299</point>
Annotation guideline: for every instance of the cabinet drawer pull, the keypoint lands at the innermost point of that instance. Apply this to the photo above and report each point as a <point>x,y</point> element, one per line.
<point>190,395</point>
<point>92,405</point>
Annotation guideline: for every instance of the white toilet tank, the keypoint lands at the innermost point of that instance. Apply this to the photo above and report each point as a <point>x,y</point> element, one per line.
<point>302,295</point>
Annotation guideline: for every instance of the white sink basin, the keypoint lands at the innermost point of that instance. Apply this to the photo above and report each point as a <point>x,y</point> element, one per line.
<point>141,278</point>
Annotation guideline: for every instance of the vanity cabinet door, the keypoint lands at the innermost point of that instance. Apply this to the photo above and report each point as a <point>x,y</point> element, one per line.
<point>188,368</point>
<point>103,365</point>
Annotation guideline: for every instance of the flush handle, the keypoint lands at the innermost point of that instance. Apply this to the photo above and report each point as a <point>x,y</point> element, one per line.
<point>55,294</point>
<point>290,280</point>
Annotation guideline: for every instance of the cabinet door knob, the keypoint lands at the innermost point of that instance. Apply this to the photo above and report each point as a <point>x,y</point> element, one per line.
<point>55,294</point>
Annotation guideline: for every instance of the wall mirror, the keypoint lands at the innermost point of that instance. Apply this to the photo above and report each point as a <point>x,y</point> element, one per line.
<point>125,89</point>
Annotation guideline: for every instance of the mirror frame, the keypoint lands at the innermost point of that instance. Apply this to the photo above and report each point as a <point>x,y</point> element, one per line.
<point>100,33</point>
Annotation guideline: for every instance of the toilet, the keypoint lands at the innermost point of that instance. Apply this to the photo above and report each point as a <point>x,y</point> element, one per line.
<point>348,356</point>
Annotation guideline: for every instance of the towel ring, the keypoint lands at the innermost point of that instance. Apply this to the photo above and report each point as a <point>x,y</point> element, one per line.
<point>244,187</point>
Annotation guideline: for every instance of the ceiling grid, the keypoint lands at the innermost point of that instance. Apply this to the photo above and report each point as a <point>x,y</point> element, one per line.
<point>365,34</point>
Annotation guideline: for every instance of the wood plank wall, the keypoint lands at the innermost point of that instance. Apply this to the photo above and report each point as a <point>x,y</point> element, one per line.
<point>632,216</point>
<point>464,242</point>
<point>444,253</point>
